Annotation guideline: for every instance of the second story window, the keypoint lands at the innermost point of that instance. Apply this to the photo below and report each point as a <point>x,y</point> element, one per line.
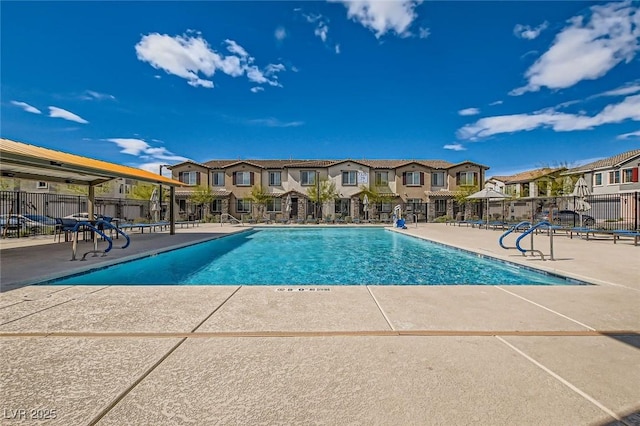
<point>242,178</point>
<point>275,178</point>
<point>307,177</point>
<point>217,178</point>
<point>413,178</point>
<point>382,178</point>
<point>190,178</point>
<point>437,179</point>
<point>597,179</point>
<point>467,178</point>
<point>510,190</point>
<point>630,175</point>
<point>349,178</point>
<point>614,177</point>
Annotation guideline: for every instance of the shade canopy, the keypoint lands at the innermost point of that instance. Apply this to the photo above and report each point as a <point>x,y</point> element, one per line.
<point>488,193</point>
<point>23,161</point>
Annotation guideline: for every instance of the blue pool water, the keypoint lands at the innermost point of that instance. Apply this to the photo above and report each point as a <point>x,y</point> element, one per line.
<point>321,256</point>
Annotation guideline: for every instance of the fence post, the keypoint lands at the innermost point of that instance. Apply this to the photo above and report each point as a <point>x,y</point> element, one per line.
<point>637,215</point>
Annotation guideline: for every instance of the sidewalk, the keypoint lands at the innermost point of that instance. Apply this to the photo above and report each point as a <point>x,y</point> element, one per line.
<point>387,355</point>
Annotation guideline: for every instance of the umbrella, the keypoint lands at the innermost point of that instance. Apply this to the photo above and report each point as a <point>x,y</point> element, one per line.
<point>287,205</point>
<point>155,205</point>
<point>488,194</point>
<point>365,202</point>
<point>581,190</point>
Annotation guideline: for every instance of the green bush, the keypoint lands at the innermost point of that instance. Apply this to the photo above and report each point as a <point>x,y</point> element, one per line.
<point>442,219</point>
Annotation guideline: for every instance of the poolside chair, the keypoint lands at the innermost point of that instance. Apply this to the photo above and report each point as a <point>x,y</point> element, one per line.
<point>63,226</point>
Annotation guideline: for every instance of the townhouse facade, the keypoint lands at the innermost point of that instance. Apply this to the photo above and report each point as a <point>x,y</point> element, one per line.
<point>613,175</point>
<point>423,187</point>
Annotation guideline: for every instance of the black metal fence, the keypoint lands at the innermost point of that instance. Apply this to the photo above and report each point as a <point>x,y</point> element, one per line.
<point>59,205</point>
<point>605,211</point>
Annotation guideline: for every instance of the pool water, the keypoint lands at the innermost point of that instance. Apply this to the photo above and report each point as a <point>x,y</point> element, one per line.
<point>317,256</point>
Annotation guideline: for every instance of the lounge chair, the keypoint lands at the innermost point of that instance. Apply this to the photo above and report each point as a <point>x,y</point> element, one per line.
<point>626,233</point>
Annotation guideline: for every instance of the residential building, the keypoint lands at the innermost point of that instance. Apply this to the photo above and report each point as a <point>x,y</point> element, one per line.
<point>612,175</point>
<point>414,184</point>
<point>543,182</point>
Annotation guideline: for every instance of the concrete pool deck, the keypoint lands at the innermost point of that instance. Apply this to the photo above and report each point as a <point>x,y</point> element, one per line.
<point>164,355</point>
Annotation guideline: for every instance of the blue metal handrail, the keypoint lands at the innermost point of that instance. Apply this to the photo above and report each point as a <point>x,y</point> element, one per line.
<point>529,231</point>
<point>509,231</point>
<point>118,230</point>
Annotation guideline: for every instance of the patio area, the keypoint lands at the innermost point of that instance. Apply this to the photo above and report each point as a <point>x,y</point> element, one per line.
<point>323,354</point>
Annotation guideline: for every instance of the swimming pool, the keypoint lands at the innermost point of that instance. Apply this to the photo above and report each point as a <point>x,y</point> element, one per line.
<point>316,256</point>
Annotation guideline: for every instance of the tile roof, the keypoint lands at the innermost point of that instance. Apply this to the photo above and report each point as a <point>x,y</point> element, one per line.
<point>606,162</point>
<point>528,175</point>
<point>185,192</point>
<point>300,163</point>
<point>440,193</point>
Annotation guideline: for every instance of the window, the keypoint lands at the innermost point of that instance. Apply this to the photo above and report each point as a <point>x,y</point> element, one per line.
<point>385,207</point>
<point>190,178</point>
<point>437,179</point>
<point>467,178</point>
<point>343,206</point>
<point>629,175</point>
<point>349,178</point>
<point>597,179</point>
<point>441,207</point>
<point>614,177</point>
<point>216,205</point>
<point>275,178</point>
<point>382,178</point>
<point>217,178</point>
<point>307,177</point>
<point>413,179</point>
<point>243,206</point>
<point>242,178</point>
<point>414,205</point>
<point>274,205</point>
<point>510,190</point>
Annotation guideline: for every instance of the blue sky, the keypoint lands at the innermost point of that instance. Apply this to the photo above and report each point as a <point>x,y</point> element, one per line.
<point>512,85</point>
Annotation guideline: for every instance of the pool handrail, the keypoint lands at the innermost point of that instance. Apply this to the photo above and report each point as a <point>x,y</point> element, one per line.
<point>85,224</point>
<point>509,231</point>
<point>529,231</point>
<point>118,230</point>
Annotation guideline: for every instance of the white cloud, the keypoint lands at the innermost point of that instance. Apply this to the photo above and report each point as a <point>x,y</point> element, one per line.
<point>188,56</point>
<point>628,89</point>
<point>383,16</point>
<point>424,32</point>
<point>525,31</point>
<point>629,135</point>
<point>455,147</point>
<point>25,106</point>
<point>280,33</point>
<point>56,112</point>
<point>142,149</point>
<point>587,48</point>
<point>496,103</point>
<point>235,48</point>
<point>274,122</point>
<point>628,109</point>
<point>257,89</point>
<point>321,31</point>
<point>469,111</point>
<point>90,95</point>
<point>337,48</point>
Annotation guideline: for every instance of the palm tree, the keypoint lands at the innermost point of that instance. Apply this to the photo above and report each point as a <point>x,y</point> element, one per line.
<point>202,196</point>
